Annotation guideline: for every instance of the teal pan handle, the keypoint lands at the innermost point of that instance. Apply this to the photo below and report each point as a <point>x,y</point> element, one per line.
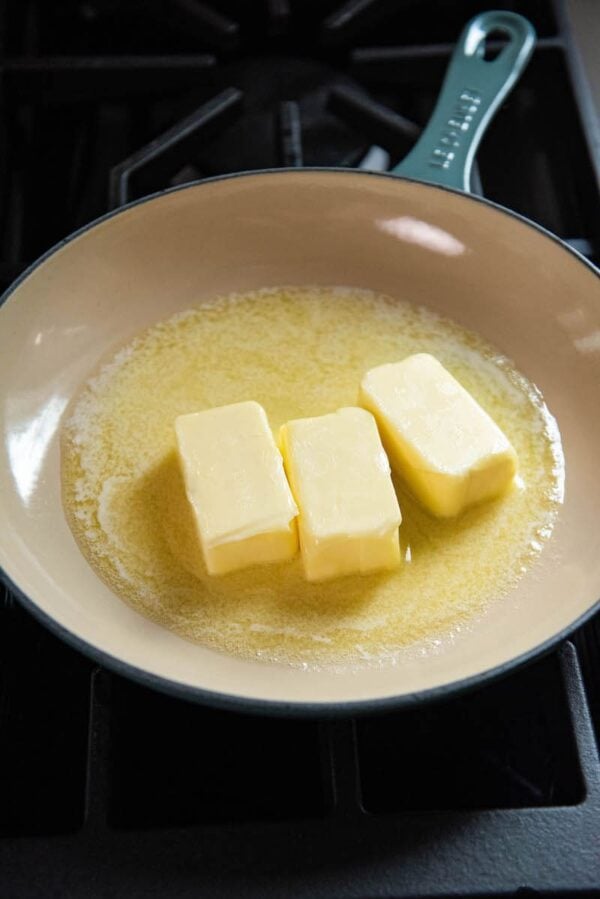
<point>472,92</point>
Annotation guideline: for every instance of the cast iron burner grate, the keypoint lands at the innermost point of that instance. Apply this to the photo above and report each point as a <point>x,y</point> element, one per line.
<point>107,788</point>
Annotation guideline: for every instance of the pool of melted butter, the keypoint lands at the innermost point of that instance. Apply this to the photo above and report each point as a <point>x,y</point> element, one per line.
<point>298,352</point>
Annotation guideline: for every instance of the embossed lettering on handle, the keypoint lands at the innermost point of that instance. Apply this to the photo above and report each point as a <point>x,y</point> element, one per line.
<point>461,120</point>
<point>473,89</point>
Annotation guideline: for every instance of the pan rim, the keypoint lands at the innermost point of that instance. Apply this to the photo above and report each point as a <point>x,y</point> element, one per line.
<point>302,170</point>
<point>296,709</point>
<point>255,705</point>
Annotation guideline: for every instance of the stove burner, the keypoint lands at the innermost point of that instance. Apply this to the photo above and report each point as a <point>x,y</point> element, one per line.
<point>280,112</point>
<point>253,141</point>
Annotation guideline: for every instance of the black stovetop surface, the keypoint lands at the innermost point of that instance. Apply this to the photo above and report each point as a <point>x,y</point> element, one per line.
<point>109,789</point>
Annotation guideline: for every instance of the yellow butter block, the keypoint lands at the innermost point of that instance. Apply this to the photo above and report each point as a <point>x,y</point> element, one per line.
<point>446,447</point>
<point>235,482</point>
<point>340,477</point>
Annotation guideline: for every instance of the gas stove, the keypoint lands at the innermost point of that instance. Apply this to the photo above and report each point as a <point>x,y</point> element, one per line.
<point>107,788</point>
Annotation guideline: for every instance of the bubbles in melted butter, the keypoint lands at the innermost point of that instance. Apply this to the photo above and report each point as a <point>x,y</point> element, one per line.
<point>298,352</point>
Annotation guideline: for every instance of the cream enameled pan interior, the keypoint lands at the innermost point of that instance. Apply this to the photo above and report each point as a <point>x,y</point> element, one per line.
<point>489,271</point>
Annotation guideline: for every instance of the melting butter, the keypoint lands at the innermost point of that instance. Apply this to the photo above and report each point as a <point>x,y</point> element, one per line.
<point>299,352</point>
<point>449,451</point>
<point>236,487</point>
<point>341,480</point>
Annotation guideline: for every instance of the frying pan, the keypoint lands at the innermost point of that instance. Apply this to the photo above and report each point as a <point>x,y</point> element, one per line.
<point>513,283</point>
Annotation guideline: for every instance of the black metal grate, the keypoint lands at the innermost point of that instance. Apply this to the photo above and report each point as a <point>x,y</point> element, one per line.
<point>107,788</point>
<point>503,747</point>
<point>43,729</point>
<point>207,766</point>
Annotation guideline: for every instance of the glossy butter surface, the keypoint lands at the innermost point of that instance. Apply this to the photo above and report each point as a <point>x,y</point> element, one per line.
<point>236,486</point>
<point>448,450</point>
<point>340,477</point>
<point>299,352</point>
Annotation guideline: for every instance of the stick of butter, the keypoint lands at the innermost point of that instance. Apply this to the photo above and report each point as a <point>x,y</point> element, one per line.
<point>233,471</point>
<point>340,477</point>
<point>448,449</point>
